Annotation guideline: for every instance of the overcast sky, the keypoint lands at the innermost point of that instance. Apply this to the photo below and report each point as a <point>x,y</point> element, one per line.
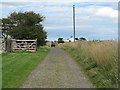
<point>94,20</point>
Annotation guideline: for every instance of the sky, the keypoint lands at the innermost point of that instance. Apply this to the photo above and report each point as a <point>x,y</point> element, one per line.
<point>95,19</point>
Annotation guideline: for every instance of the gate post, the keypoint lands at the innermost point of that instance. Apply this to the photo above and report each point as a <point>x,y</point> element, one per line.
<point>8,45</point>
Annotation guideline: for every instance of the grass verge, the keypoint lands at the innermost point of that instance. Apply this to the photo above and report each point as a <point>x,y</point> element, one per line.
<point>99,60</point>
<point>0,71</point>
<point>18,65</point>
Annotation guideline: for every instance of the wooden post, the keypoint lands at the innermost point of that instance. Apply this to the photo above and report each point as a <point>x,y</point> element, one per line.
<point>8,45</point>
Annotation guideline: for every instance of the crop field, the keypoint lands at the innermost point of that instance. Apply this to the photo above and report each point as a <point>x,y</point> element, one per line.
<point>98,59</point>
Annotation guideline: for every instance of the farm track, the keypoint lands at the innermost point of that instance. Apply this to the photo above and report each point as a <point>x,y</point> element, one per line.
<point>58,70</point>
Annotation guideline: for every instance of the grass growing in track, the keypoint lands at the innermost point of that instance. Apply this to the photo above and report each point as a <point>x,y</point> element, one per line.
<point>98,59</point>
<point>18,65</point>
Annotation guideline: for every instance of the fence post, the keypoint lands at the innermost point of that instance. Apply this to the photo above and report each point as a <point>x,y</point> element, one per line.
<point>8,45</point>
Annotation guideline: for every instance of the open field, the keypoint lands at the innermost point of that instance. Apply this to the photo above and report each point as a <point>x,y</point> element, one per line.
<point>98,59</point>
<point>18,65</point>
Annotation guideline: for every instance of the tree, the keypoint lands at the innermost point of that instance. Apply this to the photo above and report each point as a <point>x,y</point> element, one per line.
<point>60,40</point>
<point>25,25</point>
<point>83,39</point>
<point>6,25</point>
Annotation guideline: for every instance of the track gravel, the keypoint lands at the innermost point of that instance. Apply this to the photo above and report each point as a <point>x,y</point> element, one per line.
<point>58,70</point>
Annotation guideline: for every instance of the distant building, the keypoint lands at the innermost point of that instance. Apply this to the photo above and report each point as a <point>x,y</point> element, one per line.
<point>71,39</point>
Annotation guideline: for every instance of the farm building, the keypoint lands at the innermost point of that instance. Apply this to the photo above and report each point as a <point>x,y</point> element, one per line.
<point>76,39</point>
<point>71,40</point>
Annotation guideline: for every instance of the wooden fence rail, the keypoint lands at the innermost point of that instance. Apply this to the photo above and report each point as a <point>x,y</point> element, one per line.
<point>21,45</point>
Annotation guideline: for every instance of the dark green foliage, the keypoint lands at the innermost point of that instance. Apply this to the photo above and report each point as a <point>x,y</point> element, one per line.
<point>7,24</point>
<point>26,18</point>
<point>83,39</point>
<point>25,25</point>
<point>60,40</point>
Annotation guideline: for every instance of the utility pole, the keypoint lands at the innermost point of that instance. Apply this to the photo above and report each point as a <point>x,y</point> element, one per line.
<point>74,21</point>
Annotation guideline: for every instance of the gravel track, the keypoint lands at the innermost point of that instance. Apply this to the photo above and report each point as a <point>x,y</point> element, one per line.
<point>58,70</point>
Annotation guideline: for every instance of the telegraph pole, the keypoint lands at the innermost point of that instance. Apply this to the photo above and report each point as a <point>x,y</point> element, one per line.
<point>74,21</point>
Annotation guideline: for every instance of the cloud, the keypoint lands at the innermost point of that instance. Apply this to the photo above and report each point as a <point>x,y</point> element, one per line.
<point>57,27</point>
<point>67,27</point>
<point>101,11</point>
<point>15,0</point>
<point>107,12</point>
<point>60,1</point>
<point>7,7</point>
<point>58,13</point>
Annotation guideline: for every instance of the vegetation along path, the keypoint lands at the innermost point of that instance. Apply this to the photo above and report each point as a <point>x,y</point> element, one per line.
<point>58,70</point>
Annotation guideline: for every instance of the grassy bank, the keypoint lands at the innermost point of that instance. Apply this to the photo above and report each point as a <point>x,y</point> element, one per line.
<point>18,65</point>
<point>98,59</point>
<point>0,71</point>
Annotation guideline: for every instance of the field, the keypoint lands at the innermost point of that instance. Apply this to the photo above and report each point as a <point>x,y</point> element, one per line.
<point>18,65</point>
<point>98,59</point>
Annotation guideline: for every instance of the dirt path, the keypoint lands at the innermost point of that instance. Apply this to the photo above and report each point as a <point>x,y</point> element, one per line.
<point>58,70</point>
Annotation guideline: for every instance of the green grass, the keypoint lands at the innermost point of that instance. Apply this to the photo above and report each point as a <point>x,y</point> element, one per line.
<point>18,65</point>
<point>99,60</point>
<point>0,71</point>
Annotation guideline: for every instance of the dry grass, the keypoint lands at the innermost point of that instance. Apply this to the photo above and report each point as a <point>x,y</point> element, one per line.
<point>98,56</point>
<point>48,44</point>
<point>102,52</point>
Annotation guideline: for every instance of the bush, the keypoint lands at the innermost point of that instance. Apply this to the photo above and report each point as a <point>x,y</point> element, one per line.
<point>60,40</point>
